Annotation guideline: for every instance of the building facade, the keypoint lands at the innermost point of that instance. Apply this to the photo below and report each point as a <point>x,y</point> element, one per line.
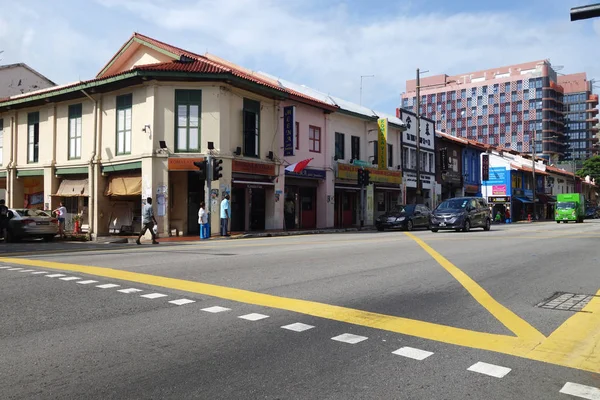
<point>20,78</point>
<point>509,107</point>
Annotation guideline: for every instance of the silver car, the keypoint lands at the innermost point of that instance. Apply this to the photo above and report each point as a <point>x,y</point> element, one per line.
<point>26,223</point>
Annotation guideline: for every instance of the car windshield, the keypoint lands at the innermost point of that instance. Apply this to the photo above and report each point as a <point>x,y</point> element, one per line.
<point>453,204</point>
<point>31,213</point>
<point>402,209</point>
<point>565,205</point>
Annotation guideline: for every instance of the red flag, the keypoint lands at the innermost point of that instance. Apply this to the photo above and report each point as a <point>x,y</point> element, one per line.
<point>299,166</point>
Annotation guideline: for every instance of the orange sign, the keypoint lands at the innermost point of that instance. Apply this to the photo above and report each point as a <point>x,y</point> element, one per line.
<point>183,164</point>
<point>255,168</point>
<point>350,172</point>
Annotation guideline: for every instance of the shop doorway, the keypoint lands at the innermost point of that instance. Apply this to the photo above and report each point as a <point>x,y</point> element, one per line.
<point>346,204</point>
<point>257,208</point>
<point>195,197</point>
<point>308,216</point>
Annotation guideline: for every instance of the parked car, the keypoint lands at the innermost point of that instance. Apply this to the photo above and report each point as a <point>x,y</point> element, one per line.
<point>26,223</point>
<point>462,213</point>
<point>405,217</point>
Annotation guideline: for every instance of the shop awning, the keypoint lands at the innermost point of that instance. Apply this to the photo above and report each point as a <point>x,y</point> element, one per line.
<point>523,199</point>
<point>544,198</point>
<point>124,186</point>
<point>73,188</point>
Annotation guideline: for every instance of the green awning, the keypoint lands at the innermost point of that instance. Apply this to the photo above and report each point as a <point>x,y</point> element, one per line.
<point>30,172</point>
<point>72,171</point>
<point>3,174</point>
<point>121,167</point>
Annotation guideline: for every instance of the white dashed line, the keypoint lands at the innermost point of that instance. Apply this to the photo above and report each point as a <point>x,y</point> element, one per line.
<point>415,354</point>
<point>153,295</point>
<point>107,286</point>
<point>181,302</point>
<point>55,275</point>
<point>39,272</point>
<point>582,391</point>
<point>14,269</point>
<point>130,290</point>
<point>216,309</point>
<point>298,327</point>
<point>349,338</point>
<point>489,369</point>
<point>70,278</point>
<point>4,267</point>
<point>86,282</point>
<point>27,270</point>
<point>253,317</point>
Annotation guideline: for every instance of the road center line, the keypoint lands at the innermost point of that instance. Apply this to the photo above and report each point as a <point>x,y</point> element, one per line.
<point>508,318</point>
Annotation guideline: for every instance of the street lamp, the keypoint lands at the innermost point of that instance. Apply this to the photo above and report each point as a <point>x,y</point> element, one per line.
<point>361,79</point>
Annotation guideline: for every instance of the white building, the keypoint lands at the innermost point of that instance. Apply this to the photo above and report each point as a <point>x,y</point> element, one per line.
<point>20,78</point>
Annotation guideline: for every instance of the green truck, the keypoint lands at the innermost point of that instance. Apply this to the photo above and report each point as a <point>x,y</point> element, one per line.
<point>570,207</point>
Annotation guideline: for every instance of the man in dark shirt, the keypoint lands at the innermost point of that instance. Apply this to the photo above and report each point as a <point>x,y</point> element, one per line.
<point>3,219</point>
<point>148,221</point>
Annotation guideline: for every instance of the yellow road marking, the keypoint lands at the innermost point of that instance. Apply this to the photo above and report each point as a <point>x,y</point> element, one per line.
<point>576,343</point>
<point>442,333</point>
<point>509,319</point>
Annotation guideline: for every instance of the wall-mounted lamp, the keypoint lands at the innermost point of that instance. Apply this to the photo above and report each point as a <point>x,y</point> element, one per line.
<point>398,167</point>
<point>270,155</point>
<point>211,145</point>
<point>148,130</point>
<point>238,151</point>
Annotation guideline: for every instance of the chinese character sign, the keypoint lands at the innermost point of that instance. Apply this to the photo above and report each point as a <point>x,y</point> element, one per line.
<point>289,126</point>
<point>382,124</point>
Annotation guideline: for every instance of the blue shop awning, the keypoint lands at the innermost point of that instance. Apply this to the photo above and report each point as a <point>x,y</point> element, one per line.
<point>523,199</point>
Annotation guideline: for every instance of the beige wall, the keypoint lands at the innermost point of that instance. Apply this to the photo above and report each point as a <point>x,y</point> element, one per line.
<point>144,56</point>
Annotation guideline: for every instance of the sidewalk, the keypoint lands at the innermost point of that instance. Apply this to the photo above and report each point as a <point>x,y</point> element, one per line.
<point>234,235</point>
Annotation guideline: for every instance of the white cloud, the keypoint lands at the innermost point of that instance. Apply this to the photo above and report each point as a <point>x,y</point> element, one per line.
<point>324,46</point>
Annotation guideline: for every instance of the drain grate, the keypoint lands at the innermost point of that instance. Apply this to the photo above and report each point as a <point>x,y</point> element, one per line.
<point>566,301</point>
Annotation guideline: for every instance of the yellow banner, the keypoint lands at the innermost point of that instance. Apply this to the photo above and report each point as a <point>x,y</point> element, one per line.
<point>382,124</point>
<point>350,172</point>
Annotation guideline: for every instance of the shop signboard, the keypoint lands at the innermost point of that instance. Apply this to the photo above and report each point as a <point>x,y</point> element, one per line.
<point>308,173</point>
<point>427,180</point>
<point>361,163</point>
<point>350,172</point>
<point>183,164</point>
<point>382,125</point>
<point>255,168</point>
<point>289,126</point>
<point>498,190</point>
<point>498,199</point>
<point>498,183</point>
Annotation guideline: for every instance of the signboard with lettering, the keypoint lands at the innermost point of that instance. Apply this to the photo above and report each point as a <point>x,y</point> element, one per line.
<point>427,180</point>
<point>382,125</point>
<point>308,173</point>
<point>499,199</point>
<point>183,164</point>
<point>498,190</point>
<point>248,167</point>
<point>350,172</point>
<point>410,135</point>
<point>485,167</point>
<point>289,127</point>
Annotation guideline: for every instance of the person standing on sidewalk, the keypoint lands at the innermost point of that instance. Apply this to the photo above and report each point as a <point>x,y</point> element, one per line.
<point>148,221</point>
<point>3,219</point>
<point>203,221</point>
<point>61,214</point>
<point>225,215</point>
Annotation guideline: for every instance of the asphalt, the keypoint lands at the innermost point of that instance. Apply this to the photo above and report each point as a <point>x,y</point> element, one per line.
<point>64,340</point>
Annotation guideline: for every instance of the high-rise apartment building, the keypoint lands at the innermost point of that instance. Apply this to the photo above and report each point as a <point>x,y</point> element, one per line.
<point>581,116</point>
<point>509,107</point>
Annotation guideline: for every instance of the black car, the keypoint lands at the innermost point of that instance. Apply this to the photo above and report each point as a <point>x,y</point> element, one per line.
<point>405,217</point>
<point>462,213</point>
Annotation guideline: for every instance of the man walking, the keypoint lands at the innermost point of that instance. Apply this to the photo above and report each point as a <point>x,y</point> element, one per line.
<point>225,214</point>
<point>148,221</point>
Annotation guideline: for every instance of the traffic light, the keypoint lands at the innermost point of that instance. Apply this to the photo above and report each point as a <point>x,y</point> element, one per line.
<point>216,169</point>
<point>361,177</point>
<point>202,170</point>
<point>367,177</point>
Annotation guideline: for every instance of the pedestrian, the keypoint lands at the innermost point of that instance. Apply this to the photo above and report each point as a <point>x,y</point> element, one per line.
<point>3,219</point>
<point>61,214</point>
<point>225,215</point>
<point>148,221</point>
<point>203,221</point>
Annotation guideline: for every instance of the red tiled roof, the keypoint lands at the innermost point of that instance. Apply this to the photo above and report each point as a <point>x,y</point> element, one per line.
<point>559,171</point>
<point>528,169</point>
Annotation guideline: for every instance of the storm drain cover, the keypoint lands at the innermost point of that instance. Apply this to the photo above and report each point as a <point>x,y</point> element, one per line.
<point>567,301</point>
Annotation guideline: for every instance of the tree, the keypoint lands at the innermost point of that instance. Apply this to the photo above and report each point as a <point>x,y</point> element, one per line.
<point>591,167</point>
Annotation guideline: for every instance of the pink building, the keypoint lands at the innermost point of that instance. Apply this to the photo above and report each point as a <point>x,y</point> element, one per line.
<point>510,106</point>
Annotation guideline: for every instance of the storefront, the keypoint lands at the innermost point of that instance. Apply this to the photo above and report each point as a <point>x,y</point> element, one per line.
<point>451,184</point>
<point>472,190</point>
<point>300,198</point>
<point>252,195</point>
<point>33,188</point>
<point>500,207</point>
<point>73,192</point>
<point>186,192</point>
<point>380,197</point>
<point>427,184</point>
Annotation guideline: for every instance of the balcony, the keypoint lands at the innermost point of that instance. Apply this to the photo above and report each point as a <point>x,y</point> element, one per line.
<point>593,98</point>
<point>592,120</point>
<point>594,129</point>
<point>593,111</point>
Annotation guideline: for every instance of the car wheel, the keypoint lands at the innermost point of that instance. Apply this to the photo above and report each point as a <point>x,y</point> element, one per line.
<point>409,225</point>
<point>9,238</point>
<point>434,230</point>
<point>558,222</point>
<point>488,225</point>
<point>467,226</point>
<point>48,238</point>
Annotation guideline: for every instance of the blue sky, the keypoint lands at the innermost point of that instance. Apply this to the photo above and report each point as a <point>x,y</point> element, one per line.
<point>324,44</point>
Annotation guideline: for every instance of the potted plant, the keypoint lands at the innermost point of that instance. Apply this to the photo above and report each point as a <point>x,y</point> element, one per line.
<point>76,223</point>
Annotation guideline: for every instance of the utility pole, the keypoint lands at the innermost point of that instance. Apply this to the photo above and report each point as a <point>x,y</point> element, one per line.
<point>418,122</point>
<point>361,80</point>
<point>533,170</point>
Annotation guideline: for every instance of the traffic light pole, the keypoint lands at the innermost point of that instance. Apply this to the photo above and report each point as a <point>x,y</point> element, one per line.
<point>208,189</point>
<point>362,206</point>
